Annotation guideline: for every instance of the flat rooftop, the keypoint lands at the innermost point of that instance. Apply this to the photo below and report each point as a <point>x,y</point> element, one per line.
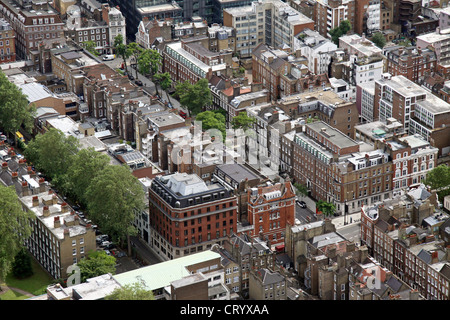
<point>162,274</point>
<point>404,86</point>
<point>237,172</point>
<point>333,135</point>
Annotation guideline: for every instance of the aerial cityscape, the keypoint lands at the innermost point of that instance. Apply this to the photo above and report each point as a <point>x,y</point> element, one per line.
<point>225,150</point>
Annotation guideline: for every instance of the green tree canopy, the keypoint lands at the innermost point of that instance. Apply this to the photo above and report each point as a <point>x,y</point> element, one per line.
<point>301,189</point>
<point>165,81</point>
<point>379,40</point>
<point>113,197</point>
<point>242,121</point>
<point>96,264</point>
<point>344,27</point>
<point>439,180</point>
<point>194,96</point>
<point>149,62</point>
<point>121,49</point>
<point>212,120</point>
<point>90,46</point>
<point>327,208</point>
<point>15,228</point>
<point>135,51</point>
<point>86,165</point>
<point>15,111</point>
<point>53,154</point>
<point>22,265</point>
<point>135,291</point>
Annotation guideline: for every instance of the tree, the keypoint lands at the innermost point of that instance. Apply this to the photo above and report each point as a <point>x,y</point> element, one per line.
<point>149,62</point>
<point>96,264</point>
<point>312,119</point>
<point>113,197</point>
<point>379,40</point>
<point>302,189</point>
<point>438,179</point>
<point>22,268</point>
<point>53,153</point>
<point>195,96</point>
<point>242,121</point>
<point>212,120</point>
<point>15,111</point>
<point>344,27</point>
<point>90,46</point>
<point>86,165</point>
<point>15,228</point>
<point>165,81</point>
<point>327,208</point>
<point>135,51</point>
<point>121,49</point>
<point>135,291</point>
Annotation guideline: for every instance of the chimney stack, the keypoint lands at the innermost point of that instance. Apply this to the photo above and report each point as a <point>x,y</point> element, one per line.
<point>15,175</point>
<point>41,185</point>
<point>25,189</point>
<point>66,233</point>
<point>4,166</point>
<point>46,211</point>
<point>64,207</point>
<point>54,199</point>
<point>35,201</point>
<point>56,222</point>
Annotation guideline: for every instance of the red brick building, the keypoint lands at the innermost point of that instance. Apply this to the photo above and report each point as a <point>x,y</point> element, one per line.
<point>410,62</point>
<point>33,25</point>
<point>188,216</point>
<point>7,42</point>
<point>270,209</point>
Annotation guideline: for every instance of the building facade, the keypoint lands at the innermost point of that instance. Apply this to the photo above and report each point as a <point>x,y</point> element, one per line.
<point>187,216</point>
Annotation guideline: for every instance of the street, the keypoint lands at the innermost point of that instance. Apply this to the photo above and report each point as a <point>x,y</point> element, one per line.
<point>304,215</point>
<point>148,86</point>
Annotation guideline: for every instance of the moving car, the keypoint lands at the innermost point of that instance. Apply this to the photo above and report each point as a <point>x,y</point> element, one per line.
<point>302,204</point>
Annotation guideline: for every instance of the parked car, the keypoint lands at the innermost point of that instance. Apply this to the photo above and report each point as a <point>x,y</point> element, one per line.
<point>130,77</point>
<point>104,244</point>
<point>139,83</point>
<point>302,204</point>
<point>182,114</point>
<point>102,238</point>
<point>109,246</point>
<point>108,252</point>
<point>108,57</point>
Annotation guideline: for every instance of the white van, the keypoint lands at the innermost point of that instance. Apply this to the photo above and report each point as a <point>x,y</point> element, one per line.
<point>108,57</point>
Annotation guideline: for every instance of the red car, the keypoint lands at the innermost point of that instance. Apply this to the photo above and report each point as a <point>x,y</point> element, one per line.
<point>182,114</point>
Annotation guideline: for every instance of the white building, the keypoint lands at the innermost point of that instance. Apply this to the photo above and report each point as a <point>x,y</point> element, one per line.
<point>316,48</point>
<point>343,89</point>
<point>359,46</point>
<point>117,25</point>
<point>272,22</point>
<point>440,41</point>
<point>365,100</point>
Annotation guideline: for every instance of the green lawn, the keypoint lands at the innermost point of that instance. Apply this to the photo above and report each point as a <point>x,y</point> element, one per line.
<point>36,284</point>
<point>12,295</point>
